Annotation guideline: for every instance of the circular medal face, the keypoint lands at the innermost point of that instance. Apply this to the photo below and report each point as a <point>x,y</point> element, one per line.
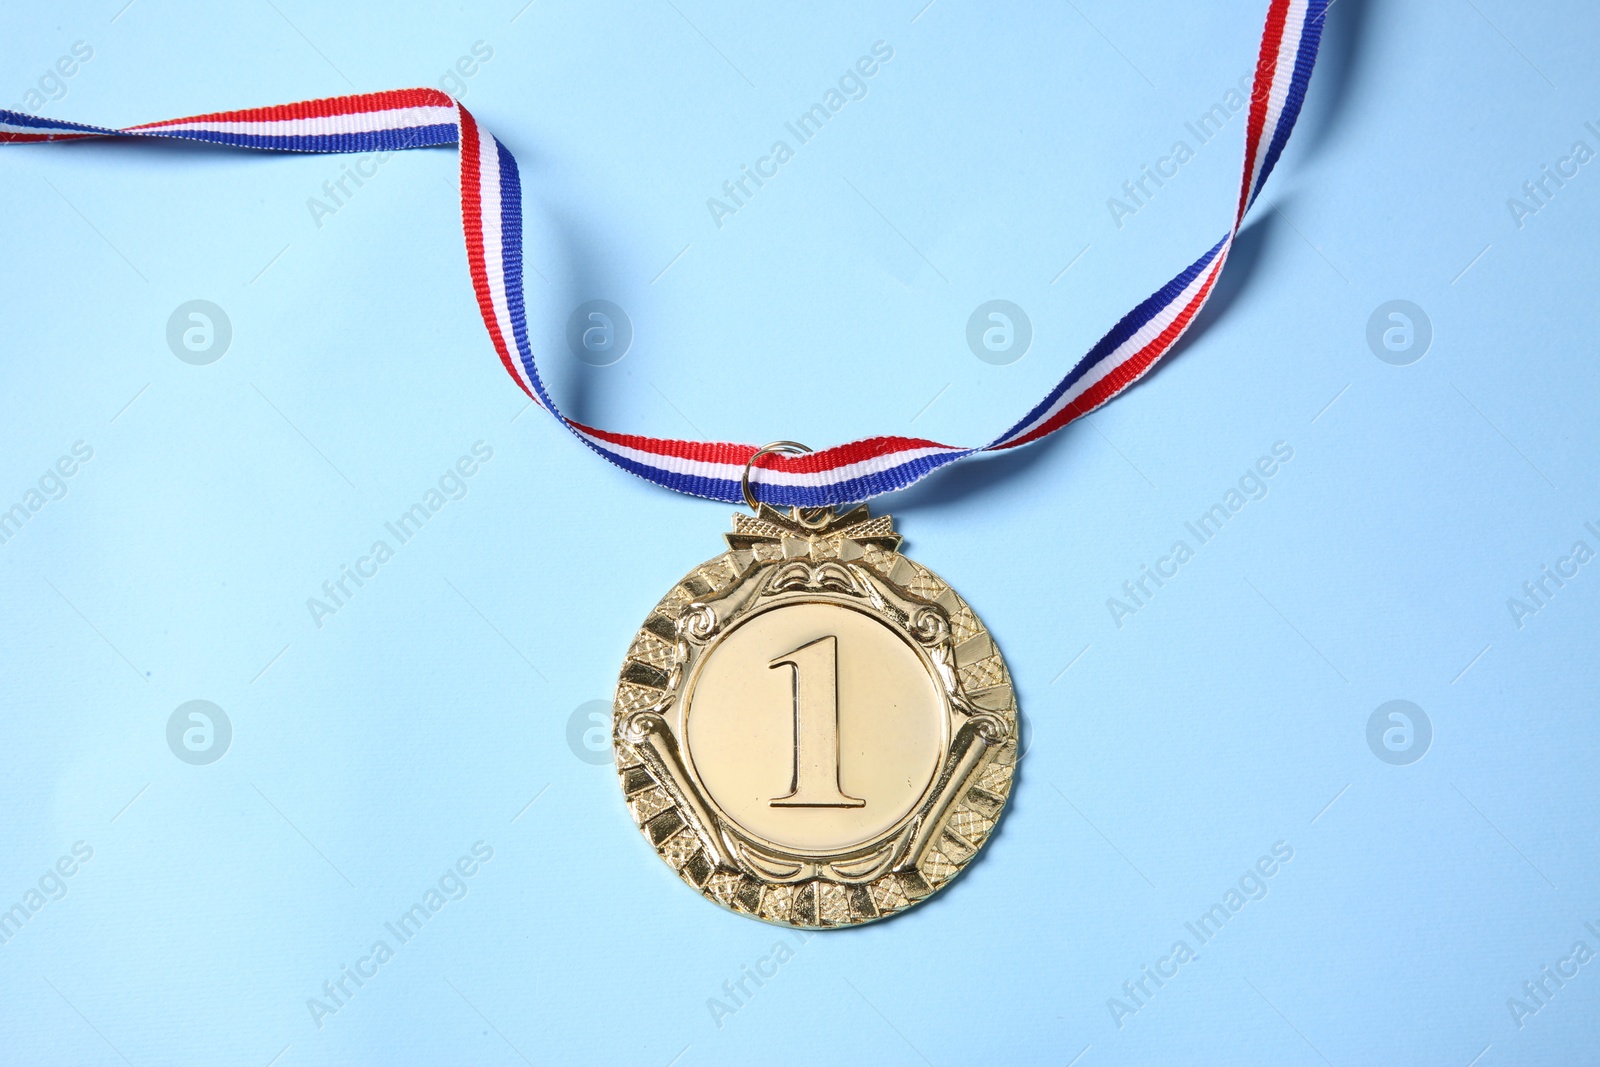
<point>811,728</point>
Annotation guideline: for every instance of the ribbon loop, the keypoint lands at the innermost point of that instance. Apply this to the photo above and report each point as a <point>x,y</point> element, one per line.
<point>491,216</point>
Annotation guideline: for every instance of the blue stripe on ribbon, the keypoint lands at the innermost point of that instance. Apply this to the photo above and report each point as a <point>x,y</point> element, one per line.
<point>393,140</point>
<point>511,254</point>
<point>20,118</point>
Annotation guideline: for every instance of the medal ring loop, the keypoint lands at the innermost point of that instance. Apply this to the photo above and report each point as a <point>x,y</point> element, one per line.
<point>787,448</point>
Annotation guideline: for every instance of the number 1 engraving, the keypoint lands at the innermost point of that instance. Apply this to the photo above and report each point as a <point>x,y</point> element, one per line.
<point>816,727</point>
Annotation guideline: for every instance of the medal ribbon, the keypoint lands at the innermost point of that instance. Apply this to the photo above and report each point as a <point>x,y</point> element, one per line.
<point>491,215</point>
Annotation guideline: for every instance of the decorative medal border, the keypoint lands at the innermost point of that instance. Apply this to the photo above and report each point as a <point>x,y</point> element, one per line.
<point>491,215</point>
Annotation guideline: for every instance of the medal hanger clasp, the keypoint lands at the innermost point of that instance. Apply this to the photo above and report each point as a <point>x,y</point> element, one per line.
<point>809,518</point>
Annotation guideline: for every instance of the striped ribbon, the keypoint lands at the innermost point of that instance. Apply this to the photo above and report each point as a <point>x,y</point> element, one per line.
<point>491,214</point>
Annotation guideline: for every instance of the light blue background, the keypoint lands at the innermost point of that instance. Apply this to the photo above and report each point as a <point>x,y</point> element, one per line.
<point>1167,755</point>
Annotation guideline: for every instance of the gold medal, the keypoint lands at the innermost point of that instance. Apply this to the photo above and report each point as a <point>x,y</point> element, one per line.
<point>811,728</point>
